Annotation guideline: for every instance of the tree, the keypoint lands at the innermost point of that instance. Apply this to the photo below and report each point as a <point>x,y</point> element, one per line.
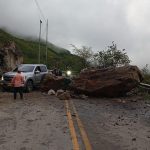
<point>146,74</point>
<point>145,70</point>
<point>111,57</point>
<point>84,52</point>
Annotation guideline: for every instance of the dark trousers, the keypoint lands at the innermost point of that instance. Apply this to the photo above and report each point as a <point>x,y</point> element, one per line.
<point>18,90</point>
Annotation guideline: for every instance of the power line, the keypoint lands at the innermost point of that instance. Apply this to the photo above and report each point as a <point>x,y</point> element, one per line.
<point>40,10</point>
<point>42,15</point>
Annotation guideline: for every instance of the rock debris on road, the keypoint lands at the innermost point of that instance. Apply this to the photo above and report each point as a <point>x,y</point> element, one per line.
<point>39,122</point>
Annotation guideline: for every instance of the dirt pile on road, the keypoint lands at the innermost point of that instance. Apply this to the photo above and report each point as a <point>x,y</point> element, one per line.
<point>108,82</point>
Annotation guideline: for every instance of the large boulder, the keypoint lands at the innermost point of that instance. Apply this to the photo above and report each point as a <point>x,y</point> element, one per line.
<point>51,81</point>
<point>108,82</point>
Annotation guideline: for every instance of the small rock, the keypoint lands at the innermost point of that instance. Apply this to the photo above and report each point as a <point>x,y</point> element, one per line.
<point>116,123</point>
<point>124,101</point>
<point>148,105</point>
<point>119,117</point>
<point>64,96</point>
<point>43,93</point>
<point>30,120</point>
<point>23,148</point>
<point>133,139</point>
<point>59,92</point>
<point>133,100</point>
<point>51,92</point>
<point>75,96</point>
<point>83,96</point>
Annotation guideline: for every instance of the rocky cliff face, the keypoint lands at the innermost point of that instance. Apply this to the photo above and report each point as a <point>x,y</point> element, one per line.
<point>10,56</point>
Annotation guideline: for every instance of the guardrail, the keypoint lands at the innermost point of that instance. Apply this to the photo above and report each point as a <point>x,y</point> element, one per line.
<point>145,86</point>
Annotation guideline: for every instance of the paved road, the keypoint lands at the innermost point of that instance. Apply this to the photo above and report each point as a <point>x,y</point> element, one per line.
<point>111,124</point>
<point>42,122</point>
<point>37,123</point>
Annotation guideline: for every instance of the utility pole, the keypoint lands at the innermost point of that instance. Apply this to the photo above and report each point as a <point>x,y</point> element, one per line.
<point>46,40</point>
<point>40,42</point>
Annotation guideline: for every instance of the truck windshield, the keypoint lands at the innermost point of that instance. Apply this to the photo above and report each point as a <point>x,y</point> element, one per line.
<point>24,69</point>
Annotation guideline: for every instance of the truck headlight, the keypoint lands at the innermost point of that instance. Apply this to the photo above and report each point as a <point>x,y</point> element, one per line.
<point>68,72</point>
<point>2,78</point>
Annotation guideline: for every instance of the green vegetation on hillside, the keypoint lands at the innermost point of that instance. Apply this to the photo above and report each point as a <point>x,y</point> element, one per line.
<point>146,74</point>
<point>57,56</point>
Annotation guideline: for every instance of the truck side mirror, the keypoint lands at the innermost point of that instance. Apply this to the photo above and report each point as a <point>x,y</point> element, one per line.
<point>37,72</point>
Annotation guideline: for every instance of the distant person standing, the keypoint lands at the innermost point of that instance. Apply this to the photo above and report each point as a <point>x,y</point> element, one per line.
<point>57,72</point>
<point>18,83</point>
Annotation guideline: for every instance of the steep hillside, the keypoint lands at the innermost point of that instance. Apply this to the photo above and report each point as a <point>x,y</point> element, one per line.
<point>57,56</point>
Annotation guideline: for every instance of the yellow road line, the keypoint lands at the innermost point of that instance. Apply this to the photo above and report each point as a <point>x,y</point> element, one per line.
<point>82,130</point>
<point>71,127</point>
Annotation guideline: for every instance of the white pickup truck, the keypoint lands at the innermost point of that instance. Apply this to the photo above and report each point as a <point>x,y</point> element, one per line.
<point>33,74</point>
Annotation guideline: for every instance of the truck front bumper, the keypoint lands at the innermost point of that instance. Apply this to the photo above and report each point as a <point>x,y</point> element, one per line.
<point>5,85</point>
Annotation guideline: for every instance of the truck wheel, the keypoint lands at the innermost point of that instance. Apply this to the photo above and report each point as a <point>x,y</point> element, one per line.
<point>29,86</point>
<point>3,89</point>
<point>42,78</point>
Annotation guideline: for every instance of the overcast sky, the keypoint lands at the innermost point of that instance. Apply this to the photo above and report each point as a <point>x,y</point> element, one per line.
<point>94,23</point>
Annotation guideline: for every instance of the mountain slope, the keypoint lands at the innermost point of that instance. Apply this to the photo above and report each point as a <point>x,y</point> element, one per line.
<point>57,57</point>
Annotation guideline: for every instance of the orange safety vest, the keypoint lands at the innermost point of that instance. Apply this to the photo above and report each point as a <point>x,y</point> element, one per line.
<point>18,80</point>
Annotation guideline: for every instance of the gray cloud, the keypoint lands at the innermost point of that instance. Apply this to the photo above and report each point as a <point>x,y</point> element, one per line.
<point>82,22</point>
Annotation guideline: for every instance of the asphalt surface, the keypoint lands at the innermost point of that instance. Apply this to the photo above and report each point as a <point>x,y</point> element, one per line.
<point>122,124</point>
<point>43,122</point>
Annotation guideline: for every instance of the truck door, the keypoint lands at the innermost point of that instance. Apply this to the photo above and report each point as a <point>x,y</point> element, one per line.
<point>43,71</point>
<point>37,73</point>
